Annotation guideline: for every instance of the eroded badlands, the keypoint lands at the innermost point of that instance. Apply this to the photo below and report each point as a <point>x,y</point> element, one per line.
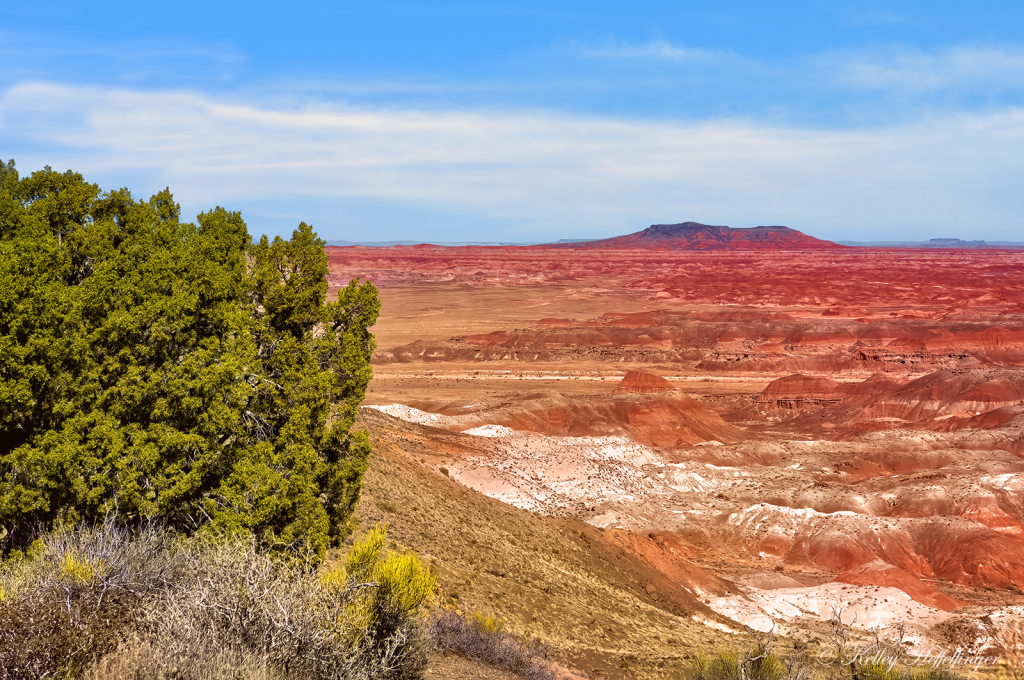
<point>799,428</point>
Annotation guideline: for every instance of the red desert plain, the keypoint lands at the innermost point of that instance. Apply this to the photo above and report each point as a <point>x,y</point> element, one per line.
<point>641,445</point>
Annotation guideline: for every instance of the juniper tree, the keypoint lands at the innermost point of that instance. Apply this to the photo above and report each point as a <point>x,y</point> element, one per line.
<point>165,369</point>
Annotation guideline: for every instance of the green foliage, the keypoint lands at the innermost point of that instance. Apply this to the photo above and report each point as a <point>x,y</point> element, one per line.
<point>366,552</point>
<point>404,582</point>
<point>163,369</point>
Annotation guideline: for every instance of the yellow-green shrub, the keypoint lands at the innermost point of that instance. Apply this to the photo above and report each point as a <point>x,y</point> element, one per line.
<point>876,670</point>
<point>722,666</point>
<point>727,666</point>
<point>334,578</point>
<point>79,571</point>
<point>389,588</point>
<point>366,552</point>
<point>488,624</point>
<point>405,580</point>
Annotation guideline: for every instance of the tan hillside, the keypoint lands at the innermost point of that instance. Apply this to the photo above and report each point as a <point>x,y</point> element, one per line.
<point>608,606</point>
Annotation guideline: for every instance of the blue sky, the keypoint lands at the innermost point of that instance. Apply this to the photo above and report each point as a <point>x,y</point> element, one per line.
<point>533,121</point>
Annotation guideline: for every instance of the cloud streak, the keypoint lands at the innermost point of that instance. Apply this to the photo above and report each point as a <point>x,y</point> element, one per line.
<point>896,69</point>
<point>661,50</point>
<point>125,60</point>
<point>900,69</point>
<point>542,174</point>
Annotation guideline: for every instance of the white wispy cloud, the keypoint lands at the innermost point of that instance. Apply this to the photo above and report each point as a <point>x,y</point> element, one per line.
<point>895,69</point>
<point>661,50</point>
<point>121,59</point>
<point>555,174</point>
<point>952,69</point>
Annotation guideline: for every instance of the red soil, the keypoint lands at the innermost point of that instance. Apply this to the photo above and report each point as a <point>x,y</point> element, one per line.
<point>989,399</point>
<point>946,394</point>
<point>795,391</point>
<point>654,419</point>
<point>879,573</point>
<point>889,284</point>
<point>666,555</point>
<point>968,553</point>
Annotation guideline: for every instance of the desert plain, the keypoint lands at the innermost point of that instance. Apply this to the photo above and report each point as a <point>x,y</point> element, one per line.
<point>633,451</point>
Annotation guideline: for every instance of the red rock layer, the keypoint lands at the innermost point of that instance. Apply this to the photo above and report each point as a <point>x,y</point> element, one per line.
<point>879,573</point>
<point>795,391</point>
<point>950,393</point>
<point>889,283</point>
<point>738,340</point>
<point>651,419</point>
<point>943,401</point>
<point>641,382</point>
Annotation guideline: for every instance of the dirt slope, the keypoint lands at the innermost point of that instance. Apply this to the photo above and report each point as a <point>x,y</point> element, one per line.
<point>610,604</point>
<point>879,573</point>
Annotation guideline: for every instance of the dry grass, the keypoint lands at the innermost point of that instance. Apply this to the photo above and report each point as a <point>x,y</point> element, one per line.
<point>475,639</point>
<point>73,597</point>
<point>104,604</point>
<point>1008,640</point>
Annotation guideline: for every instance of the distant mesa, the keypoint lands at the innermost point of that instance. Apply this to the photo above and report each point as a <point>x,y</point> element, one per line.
<point>696,236</point>
<point>640,382</point>
<point>953,243</point>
